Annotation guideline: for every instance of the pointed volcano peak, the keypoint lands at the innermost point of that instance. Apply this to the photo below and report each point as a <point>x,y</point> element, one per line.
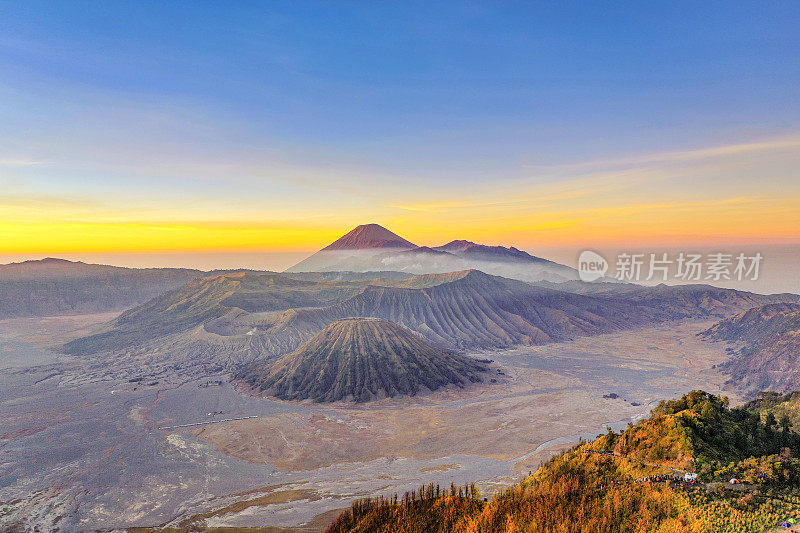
<point>368,236</point>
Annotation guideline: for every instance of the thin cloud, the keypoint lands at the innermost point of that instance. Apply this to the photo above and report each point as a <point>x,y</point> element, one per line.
<point>19,162</point>
<point>627,179</point>
<point>42,200</point>
<point>773,145</point>
<point>533,195</point>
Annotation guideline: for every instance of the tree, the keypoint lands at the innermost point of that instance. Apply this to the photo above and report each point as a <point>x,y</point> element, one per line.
<point>786,455</point>
<point>785,423</point>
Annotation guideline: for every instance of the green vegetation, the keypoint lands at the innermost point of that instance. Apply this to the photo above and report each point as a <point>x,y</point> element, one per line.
<point>784,409</point>
<point>629,482</point>
<point>714,435</point>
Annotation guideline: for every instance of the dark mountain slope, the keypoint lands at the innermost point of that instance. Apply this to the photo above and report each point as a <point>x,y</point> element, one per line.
<point>688,300</point>
<point>767,353</point>
<point>467,310</point>
<point>347,276</point>
<point>460,309</point>
<point>361,359</point>
<point>355,251</point>
<point>482,252</point>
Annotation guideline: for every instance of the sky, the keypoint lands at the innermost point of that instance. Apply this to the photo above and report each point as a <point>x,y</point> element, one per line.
<point>269,128</point>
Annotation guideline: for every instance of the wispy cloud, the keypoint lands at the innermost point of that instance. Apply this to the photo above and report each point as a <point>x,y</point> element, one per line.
<point>19,162</point>
<point>772,145</point>
<point>530,193</point>
<point>35,200</point>
<point>628,180</point>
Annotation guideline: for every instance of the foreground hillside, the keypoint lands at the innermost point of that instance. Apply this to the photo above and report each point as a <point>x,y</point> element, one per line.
<point>783,409</point>
<point>767,346</point>
<point>628,482</point>
<point>361,359</point>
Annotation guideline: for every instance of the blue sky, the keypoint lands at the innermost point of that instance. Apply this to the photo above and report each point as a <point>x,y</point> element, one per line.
<point>309,117</point>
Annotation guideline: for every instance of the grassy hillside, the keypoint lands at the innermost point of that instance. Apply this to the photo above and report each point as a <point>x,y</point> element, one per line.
<point>361,359</point>
<point>624,482</point>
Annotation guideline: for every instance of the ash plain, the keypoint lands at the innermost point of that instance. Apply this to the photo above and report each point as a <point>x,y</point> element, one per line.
<point>86,444</point>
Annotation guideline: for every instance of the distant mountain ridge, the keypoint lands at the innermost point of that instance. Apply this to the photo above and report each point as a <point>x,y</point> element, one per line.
<point>465,248</point>
<point>205,301</point>
<point>471,309</point>
<point>361,359</point>
<point>372,247</point>
<point>52,286</point>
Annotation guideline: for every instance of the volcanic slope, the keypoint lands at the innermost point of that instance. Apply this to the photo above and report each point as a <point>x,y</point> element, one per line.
<point>233,319</point>
<point>471,309</point>
<point>220,304</point>
<point>357,248</point>
<point>361,359</point>
<point>369,236</point>
<point>458,309</point>
<point>371,247</point>
<point>768,349</point>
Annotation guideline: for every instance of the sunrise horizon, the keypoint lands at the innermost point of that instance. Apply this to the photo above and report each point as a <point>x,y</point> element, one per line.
<point>307,121</point>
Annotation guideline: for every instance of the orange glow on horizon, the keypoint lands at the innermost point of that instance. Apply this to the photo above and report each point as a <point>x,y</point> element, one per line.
<point>730,194</point>
<point>737,220</point>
